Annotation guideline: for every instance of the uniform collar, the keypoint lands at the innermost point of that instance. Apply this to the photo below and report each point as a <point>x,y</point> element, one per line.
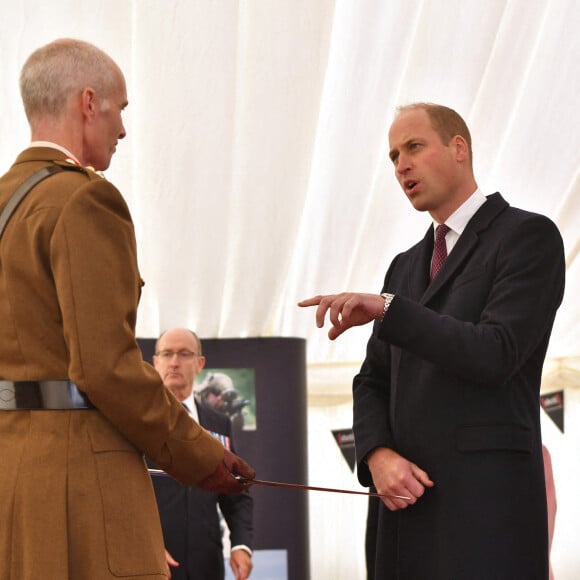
<point>60,148</point>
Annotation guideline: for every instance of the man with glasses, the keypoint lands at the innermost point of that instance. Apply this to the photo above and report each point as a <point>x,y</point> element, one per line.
<point>189,516</point>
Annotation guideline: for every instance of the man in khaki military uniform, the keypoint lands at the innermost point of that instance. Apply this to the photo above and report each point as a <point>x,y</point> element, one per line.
<point>78,406</point>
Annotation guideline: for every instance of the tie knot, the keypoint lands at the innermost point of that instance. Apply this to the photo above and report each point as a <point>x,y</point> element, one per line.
<point>441,231</point>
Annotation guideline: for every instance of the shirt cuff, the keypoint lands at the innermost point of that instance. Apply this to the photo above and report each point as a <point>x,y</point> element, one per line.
<point>241,547</point>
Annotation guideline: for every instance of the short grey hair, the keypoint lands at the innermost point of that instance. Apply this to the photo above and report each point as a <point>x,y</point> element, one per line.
<point>58,70</point>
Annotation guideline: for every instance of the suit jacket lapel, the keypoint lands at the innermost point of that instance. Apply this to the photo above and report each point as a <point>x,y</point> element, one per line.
<point>481,220</point>
<point>419,276</point>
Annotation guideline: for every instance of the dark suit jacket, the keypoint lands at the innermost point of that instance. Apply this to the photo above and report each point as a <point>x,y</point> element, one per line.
<point>189,516</point>
<point>451,381</point>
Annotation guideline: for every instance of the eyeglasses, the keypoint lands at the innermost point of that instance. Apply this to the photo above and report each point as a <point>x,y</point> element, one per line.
<point>181,354</point>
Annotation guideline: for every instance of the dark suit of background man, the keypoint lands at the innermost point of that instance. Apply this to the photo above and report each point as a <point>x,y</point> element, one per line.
<point>189,516</point>
<point>78,406</point>
<point>446,404</point>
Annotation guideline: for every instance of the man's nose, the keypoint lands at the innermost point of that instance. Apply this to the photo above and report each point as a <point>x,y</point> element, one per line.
<point>403,164</point>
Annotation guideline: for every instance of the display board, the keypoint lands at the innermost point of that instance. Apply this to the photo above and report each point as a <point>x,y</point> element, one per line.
<point>263,385</point>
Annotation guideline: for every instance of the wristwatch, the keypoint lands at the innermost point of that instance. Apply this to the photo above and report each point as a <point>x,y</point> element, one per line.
<point>388,299</point>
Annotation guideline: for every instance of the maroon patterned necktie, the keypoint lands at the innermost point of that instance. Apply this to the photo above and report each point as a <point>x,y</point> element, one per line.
<point>439,249</point>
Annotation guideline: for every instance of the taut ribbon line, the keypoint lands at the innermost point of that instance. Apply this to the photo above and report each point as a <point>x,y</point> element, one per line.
<point>249,482</point>
<point>313,488</point>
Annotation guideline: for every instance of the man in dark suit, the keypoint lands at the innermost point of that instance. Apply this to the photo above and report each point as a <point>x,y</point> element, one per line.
<point>446,404</point>
<point>189,516</point>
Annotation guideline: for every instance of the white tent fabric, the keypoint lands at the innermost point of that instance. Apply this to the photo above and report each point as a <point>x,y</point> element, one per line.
<point>256,170</point>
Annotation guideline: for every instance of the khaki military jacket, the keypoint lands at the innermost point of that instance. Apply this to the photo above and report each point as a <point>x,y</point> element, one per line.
<point>75,481</point>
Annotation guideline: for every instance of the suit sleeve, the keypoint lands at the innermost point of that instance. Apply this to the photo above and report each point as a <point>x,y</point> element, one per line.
<point>371,399</point>
<point>238,513</point>
<point>237,509</point>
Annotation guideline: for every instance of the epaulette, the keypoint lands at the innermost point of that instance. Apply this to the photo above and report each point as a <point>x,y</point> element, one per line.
<point>72,165</point>
<point>69,164</point>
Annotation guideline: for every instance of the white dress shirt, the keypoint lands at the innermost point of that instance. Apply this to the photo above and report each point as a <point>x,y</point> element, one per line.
<point>458,220</point>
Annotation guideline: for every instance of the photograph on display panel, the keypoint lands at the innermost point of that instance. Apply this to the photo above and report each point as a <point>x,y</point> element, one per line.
<point>231,391</point>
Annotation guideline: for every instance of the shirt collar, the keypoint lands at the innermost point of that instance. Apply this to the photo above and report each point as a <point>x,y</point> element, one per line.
<point>459,219</point>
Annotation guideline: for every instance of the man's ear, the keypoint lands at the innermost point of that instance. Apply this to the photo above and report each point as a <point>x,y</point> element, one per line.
<point>88,102</point>
<point>461,148</point>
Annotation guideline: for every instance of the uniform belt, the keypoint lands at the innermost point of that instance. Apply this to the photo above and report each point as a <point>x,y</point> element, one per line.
<point>48,395</point>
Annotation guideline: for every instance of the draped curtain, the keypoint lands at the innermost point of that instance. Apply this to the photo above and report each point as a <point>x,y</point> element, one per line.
<point>257,173</point>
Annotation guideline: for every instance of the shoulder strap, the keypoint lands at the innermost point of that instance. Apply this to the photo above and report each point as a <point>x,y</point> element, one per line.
<point>22,190</point>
